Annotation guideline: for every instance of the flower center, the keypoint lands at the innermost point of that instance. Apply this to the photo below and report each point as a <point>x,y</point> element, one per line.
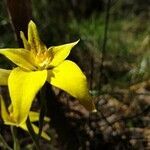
<point>43,59</point>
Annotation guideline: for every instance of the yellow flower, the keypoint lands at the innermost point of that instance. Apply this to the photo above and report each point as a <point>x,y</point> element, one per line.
<point>38,64</point>
<point>10,119</point>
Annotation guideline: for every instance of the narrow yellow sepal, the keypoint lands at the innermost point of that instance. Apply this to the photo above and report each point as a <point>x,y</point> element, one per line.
<point>4,112</point>
<point>36,130</point>
<point>4,74</point>
<point>34,116</point>
<point>19,56</point>
<point>34,40</point>
<point>24,40</point>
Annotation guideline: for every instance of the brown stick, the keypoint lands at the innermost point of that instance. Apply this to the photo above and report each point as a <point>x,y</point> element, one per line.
<point>20,14</point>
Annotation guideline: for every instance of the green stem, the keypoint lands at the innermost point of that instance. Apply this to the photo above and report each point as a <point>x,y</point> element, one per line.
<point>42,111</point>
<point>5,145</point>
<point>32,134</point>
<point>103,53</point>
<point>16,141</point>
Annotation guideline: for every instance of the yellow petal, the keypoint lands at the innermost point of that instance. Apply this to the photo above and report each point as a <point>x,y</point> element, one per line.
<point>34,116</point>
<point>23,87</point>
<point>20,57</point>
<point>4,113</point>
<point>24,40</point>
<point>34,39</point>
<point>36,130</point>
<point>60,53</point>
<point>68,77</point>
<point>4,74</point>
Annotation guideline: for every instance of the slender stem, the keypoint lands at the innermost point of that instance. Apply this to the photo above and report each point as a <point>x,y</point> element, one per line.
<point>91,73</point>
<point>42,111</point>
<point>5,145</point>
<point>32,134</point>
<point>16,141</point>
<point>103,53</point>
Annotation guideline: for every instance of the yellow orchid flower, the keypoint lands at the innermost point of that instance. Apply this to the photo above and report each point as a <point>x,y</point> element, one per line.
<point>38,64</point>
<point>9,118</point>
